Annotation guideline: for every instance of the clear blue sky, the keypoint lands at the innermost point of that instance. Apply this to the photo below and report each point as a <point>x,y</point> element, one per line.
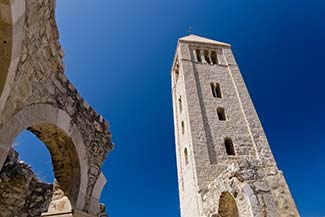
<point>118,53</point>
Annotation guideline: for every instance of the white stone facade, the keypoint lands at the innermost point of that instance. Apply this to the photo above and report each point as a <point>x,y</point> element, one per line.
<point>222,151</point>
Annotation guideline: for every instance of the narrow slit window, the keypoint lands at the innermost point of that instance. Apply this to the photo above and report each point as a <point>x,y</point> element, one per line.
<point>183,127</point>
<point>216,90</point>
<point>180,103</point>
<point>221,114</point>
<point>229,146</point>
<point>206,56</point>
<point>186,156</point>
<point>176,70</point>
<point>214,58</point>
<point>198,55</point>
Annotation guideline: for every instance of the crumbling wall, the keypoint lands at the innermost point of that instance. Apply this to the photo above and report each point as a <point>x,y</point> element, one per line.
<point>248,183</point>
<point>37,96</point>
<point>22,194</point>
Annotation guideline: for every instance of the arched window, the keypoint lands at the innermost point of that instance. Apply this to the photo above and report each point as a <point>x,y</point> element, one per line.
<point>186,156</point>
<point>207,57</point>
<point>198,55</point>
<point>229,146</point>
<point>221,114</point>
<point>227,206</point>
<point>216,90</point>
<point>214,58</point>
<point>176,69</point>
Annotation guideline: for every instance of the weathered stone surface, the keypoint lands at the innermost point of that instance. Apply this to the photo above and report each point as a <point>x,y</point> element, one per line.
<point>36,95</point>
<point>224,160</point>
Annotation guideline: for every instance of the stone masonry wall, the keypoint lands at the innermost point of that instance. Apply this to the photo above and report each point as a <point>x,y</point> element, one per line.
<point>39,82</point>
<point>186,170</point>
<point>250,185</point>
<point>40,79</point>
<point>245,181</point>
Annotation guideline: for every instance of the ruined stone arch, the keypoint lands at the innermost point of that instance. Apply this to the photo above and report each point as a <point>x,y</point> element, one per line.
<point>12,17</point>
<point>242,184</point>
<point>55,128</point>
<point>36,95</point>
<point>225,198</point>
<point>231,201</point>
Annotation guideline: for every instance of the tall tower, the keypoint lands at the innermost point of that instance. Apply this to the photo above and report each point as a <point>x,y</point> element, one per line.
<point>225,165</point>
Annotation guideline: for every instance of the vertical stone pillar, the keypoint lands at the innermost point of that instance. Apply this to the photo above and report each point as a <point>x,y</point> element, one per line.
<point>194,55</point>
<point>221,57</point>
<point>202,56</point>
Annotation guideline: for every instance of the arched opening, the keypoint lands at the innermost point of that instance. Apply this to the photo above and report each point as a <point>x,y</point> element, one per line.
<point>229,146</point>
<point>55,129</point>
<point>64,157</point>
<point>33,152</point>
<point>221,114</point>
<point>227,206</point>
<point>207,56</point>
<point>176,69</point>
<point>198,55</point>
<point>26,178</point>
<point>214,58</point>
<point>66,170</point>
<point>216,90</point>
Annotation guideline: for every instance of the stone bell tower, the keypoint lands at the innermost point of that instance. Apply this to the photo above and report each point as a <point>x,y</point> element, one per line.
<point>225,165</point>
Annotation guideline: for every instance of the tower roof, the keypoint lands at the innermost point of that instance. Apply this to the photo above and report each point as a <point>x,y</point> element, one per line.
<point>199,39</point>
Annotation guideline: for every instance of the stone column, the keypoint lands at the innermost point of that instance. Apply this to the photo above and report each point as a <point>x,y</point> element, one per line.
<point>202,56</point>
<point>194,55</point>
<point>221,57</point>
<point>209,57</point>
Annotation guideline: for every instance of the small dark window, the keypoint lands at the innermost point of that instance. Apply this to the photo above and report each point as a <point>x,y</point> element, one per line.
<point>229,146</point>
<point>180,103</point>
<point>214,58</point>
<point>183,127</point>
<point>206,56</point>
<point>216,90</point>
<point>198,55</point>
<point>221,114</point>
<point>176,70</point>
<point>186,156</point>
